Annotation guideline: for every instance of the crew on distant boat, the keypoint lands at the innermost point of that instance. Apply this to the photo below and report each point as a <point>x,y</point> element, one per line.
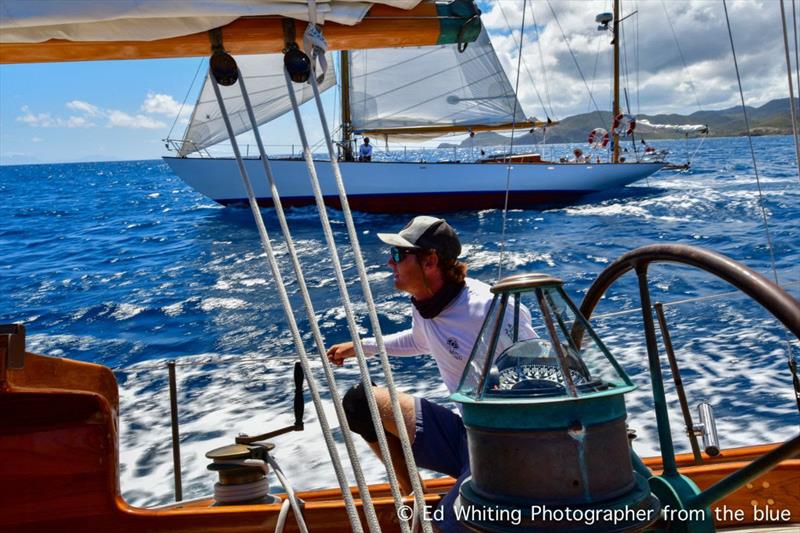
<point>447,314</point>
<point>365,151</point>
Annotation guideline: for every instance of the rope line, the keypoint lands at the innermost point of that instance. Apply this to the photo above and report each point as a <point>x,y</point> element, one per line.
<point>287,307</point>
<point>369,508</point>
<point>510,165</point>
<point>397,412</point>
<point>343,292</point>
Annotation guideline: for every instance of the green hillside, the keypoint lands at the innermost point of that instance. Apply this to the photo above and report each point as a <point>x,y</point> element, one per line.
<point>773,118</point>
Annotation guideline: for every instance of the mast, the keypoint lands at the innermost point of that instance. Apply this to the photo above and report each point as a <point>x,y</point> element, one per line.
<point>615,106</point>
<point>347,128</point>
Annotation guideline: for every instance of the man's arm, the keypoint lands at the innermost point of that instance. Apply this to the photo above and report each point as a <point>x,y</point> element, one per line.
<point>402,344</point>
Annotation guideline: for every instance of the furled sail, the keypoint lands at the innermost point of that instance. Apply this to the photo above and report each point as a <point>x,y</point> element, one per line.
<point>401,92</point>
<point>144,20</point>
<point>266,87</point>
<point>681,128</point>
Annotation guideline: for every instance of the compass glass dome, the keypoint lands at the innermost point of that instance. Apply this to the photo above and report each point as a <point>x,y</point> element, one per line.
<point>534,343</point>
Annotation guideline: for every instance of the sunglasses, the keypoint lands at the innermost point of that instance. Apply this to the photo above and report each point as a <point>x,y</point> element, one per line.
<point>398,254</point>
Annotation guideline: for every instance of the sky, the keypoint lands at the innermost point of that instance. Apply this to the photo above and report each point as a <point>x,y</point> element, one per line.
<point>677,56</point>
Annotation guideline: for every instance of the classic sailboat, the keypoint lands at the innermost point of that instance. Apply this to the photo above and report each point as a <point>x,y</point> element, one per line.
<point>59,431</point>
<point>406,95</point>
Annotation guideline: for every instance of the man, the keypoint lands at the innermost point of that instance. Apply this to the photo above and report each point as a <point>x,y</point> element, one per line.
<point>365,151</point>
<point>448,311</point>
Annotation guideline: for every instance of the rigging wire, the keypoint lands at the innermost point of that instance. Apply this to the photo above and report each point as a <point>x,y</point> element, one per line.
<point>541,59</point>
<point>548,112</point>
<point>791,361</point>
<point>680,52</point>
<point>752,150</point>
<point>511,145</point>
<point>180,110</point>
<point>796,54</point>
<point>575,60</point>
<point>791,87</point>
<point>636,56</point>
<point>594,69</point>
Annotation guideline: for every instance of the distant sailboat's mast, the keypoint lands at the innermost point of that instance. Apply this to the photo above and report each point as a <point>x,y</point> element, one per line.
<point>347,131</point>
<point>615,107</point>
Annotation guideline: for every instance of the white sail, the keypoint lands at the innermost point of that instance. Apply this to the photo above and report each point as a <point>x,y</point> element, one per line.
<point>682,128</point>
<point>431,85</point>
<point>263,75</point>
<point>146,20</point>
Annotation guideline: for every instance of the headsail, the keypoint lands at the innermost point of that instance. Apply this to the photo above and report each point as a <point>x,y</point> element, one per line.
<point>401,92</point>
<point>266,86</point>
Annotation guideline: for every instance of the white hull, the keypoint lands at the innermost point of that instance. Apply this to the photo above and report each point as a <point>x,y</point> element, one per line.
<point>410,187</point>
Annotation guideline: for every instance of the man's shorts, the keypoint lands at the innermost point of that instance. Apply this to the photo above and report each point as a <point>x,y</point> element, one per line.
<point>440,439</point>
<point>440,444</point>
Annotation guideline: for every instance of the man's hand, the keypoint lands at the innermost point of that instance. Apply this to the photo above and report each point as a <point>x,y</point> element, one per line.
<point>339,352</point>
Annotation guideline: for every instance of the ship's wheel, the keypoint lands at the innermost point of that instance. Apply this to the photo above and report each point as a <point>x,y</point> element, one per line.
<point>671,487</point>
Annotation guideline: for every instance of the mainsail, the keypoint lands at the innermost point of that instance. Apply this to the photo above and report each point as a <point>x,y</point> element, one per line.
<point>401,92</point>
<point>266,86</point>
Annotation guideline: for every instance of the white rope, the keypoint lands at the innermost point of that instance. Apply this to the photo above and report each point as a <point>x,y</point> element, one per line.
<point>280,524</point>
<point>287,308</point>
<point>510,165</point>
<point>369,508</point>
<point>244,492</point>
<point>337,267</point>
<point>397,412</point>
<point>293,499</point>
<point>791,87</point>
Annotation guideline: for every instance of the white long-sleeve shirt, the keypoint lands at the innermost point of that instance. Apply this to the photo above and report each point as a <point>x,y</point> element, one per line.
<point>450,335</point>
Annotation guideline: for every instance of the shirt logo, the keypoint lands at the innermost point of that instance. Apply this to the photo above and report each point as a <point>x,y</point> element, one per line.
<point>452,344</point>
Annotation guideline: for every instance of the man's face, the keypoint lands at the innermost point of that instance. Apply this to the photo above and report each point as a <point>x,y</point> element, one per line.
<point>408,273</point>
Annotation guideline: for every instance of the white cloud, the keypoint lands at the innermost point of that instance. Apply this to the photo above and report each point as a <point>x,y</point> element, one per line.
<point>46,120</point>
<point>656,78</point>
<point>161,104</point>
<point>124,120</point>
<point>36,139</point>
<point>89,114</point>
<point>85,107</point>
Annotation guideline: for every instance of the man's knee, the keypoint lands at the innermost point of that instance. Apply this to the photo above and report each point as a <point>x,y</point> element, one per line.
<point>356,409</point>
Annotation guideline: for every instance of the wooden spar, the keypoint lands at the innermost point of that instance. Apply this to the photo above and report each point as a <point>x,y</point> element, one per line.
<point>383,27</point>
<point>449,128</point>
<point>347,127</point>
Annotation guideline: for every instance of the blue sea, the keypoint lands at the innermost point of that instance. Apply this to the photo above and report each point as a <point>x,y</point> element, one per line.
<point>122,264</point>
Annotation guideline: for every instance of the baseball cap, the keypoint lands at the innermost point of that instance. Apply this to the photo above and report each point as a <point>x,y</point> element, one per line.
<point>426,233</point>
